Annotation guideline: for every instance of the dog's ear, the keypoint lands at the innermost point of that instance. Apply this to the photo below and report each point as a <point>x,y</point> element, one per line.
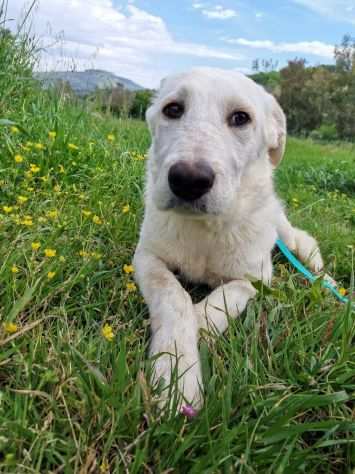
<point>275,130</point>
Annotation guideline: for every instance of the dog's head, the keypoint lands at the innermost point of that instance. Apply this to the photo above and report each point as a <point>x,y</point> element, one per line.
<point>208,126</point>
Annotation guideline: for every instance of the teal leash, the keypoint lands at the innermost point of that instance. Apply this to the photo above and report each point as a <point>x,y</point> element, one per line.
<point>307,274</point>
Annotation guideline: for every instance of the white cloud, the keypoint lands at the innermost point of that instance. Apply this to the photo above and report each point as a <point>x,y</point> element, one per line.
<point>198,6</point>
<point>93,33</point>
<point>316,48</point>
<point>343,10</point>
<point>217,12</point>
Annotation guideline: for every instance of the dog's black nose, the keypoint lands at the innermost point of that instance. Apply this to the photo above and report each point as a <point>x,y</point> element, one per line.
<point>190,181</point>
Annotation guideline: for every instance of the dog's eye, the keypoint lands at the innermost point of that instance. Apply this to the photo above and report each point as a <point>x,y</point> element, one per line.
<point>238,119</point>
<point>174,110</point>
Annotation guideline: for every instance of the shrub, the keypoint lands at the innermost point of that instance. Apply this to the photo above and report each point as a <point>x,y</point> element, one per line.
<point>326,132</point>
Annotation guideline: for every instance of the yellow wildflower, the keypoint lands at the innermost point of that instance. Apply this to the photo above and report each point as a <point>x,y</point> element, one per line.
<point>42,219</point>
<point>125,209</point>
<point>110,137</point>
<point>52,214</point>
<point>86,213</point>
<point>62,258</point>
<point>107,332</point>
<point>342,291</point>
<point>25,148</point>
<point>73,147</point>
<point>52,135</point>
<point>104,467</point>
<point>56,188</point>
<point>18,158</point>
<point>30,189</point>
<point>14,129</point>
<point>34,168</point>
<point>131,287</point>
<point>96,220</point>
<point>28,174</point>
<point>27,220</point>
<point>39,146</point>
<point>50,252</point>
<point>128,269</point>
<point>22,199</point>
<point>51,275</point>
<point>44,178</point>
<point>83,253</point>
<point>7,209</point>
<point>35,245</point>
<point>10,328</point>
<point>138,156</point>
<point>14,269</point>
<point>61,168</point>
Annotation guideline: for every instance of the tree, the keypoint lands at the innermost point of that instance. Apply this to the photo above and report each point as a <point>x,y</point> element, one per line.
<point>343,98</point>
<point>297,97</point>
<point>344,55</point>
<point>141,102</point>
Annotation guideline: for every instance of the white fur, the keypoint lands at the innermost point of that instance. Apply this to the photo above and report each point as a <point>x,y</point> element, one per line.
<point>225,238</point>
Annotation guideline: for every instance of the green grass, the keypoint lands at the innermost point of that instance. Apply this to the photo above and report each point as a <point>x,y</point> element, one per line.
<point>280,384</point>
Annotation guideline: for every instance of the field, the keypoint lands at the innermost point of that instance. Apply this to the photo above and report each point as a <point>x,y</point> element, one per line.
<point>74,392</point>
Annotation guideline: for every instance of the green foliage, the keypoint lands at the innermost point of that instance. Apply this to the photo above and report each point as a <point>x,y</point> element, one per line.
<point>296,96</point>
<point>17,58</point>
<point>326,132</point>
<point>280,383</point>
<point>318,100</point>
<point>270,80</point>
<point>141,102</point>
<point>122,102</point>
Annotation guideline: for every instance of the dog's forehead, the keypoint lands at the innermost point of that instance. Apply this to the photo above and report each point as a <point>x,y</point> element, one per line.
<point>212,82</point>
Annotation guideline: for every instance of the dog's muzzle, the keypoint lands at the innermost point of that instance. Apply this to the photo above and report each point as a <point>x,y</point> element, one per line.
<point>190,181</point>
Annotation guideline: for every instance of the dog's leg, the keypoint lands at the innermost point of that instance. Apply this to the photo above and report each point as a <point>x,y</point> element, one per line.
<point>174,329</point>
<point>226,300</point>
<point>301,243</point>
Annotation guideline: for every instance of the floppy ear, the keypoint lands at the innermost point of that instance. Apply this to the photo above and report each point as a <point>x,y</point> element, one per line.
<point>275,130</point>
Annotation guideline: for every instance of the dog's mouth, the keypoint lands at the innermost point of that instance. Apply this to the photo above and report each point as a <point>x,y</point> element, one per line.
<point>188,208</point>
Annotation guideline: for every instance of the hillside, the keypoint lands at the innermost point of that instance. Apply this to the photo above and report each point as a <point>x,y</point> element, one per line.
<point>86,82</point>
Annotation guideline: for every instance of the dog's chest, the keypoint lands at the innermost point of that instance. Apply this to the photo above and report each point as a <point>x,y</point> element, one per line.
<point>205,254</point>
<point>212,252</point>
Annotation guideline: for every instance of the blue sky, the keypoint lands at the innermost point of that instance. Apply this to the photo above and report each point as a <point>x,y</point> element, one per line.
<point>145,40</point>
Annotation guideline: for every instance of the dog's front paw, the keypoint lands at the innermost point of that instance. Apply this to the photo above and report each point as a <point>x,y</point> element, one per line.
<point>307,249</point>
<point>177,371</point>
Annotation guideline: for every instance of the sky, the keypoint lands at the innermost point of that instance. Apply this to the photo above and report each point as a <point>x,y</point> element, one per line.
<point>146,40</point>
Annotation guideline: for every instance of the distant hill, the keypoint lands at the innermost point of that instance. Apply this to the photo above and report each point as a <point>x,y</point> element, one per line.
<point>86,82</point>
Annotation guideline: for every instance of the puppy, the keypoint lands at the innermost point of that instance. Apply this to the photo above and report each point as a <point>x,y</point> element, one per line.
<point>211,213</point>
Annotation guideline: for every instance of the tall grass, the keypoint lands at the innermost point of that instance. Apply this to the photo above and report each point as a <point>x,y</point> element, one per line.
<point>18,56</point>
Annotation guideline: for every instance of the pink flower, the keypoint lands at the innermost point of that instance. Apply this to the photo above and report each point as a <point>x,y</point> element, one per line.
<point>188,411</point>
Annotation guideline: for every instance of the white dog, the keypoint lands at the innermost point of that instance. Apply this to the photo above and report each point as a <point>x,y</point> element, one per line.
<point>211,212</point>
